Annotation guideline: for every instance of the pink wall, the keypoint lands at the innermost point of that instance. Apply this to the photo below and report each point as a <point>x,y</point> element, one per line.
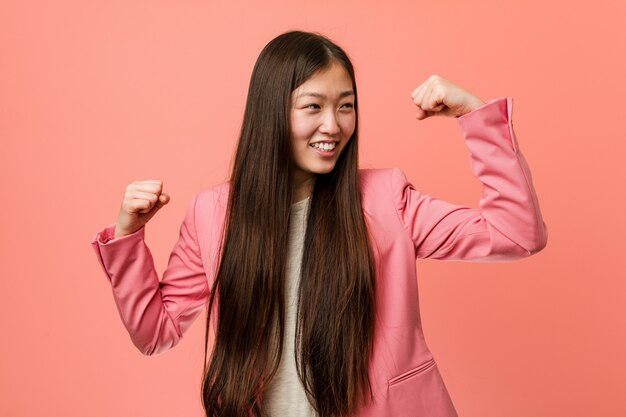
<point>94,96</point>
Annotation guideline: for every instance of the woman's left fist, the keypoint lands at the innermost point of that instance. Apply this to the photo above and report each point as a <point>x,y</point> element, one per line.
<point>439,97</point>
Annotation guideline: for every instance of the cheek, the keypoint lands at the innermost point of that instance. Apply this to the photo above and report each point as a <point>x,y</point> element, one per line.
<point>300,135</point>
<point>302,130</point>
<point>347,126</point>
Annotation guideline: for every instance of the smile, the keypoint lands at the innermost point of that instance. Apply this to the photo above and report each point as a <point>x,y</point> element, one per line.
<point>327,147</point>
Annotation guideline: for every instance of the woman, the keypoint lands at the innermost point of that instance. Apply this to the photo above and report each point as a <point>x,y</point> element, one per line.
<point>306,263</point>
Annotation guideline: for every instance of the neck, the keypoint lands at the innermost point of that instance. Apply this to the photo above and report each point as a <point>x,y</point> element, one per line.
<point>303,187</point>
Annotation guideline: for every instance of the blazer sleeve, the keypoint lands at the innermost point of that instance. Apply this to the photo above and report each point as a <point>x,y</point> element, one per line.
<point>507,223</point>
<point>155,313</point>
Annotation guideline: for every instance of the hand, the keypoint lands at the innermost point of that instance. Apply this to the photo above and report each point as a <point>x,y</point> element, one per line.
<point>142,200</point>
<point>438,96</point>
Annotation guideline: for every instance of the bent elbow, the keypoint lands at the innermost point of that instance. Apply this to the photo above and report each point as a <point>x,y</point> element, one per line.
<point>146,349</point>
<point>539,242</point>
<point>152,349</point>
<point>152,341</point>
<point>538,247</point>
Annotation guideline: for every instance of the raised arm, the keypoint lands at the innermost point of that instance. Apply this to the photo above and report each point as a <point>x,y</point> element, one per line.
<point>507,223</point>
<point>155,313</point>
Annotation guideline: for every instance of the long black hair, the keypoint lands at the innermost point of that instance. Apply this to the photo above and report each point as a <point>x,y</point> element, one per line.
<point>336,298</point>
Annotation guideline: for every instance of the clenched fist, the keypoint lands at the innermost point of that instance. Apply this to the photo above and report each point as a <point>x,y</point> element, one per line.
<point>142,200</point>
<point>438,96</point>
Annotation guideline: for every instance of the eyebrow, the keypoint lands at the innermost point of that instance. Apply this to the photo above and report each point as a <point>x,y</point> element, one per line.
<point>322,96</point>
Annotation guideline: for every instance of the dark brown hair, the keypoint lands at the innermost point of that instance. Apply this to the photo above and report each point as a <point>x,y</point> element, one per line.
<point>336,297</point>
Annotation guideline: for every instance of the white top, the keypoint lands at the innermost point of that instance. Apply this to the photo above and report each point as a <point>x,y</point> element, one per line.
<point>285,394</point>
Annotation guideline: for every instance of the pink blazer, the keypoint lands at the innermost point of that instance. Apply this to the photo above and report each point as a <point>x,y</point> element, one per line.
<point>404,223</point>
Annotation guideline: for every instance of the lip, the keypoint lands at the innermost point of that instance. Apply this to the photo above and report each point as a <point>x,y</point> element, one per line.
<point>325,141</point>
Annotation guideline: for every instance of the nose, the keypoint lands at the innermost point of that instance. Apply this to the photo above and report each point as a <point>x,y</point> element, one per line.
<point>329,125</point>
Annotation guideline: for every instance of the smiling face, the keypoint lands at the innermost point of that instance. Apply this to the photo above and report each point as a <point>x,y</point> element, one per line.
<point>323,119</point>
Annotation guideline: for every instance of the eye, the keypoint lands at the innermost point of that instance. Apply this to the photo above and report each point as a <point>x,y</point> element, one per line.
<point>348,106</point>
<point>312,106</point>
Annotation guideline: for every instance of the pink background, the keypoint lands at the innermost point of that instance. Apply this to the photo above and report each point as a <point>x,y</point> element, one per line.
<point>94,96</point>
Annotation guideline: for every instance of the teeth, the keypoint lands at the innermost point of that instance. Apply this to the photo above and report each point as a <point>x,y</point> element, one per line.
<point>324,146</point>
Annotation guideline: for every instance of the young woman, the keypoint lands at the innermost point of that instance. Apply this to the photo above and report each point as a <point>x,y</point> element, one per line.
<point>306,262</point>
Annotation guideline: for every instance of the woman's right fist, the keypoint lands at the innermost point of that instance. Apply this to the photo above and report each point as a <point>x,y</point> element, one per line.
<point>142,200</point>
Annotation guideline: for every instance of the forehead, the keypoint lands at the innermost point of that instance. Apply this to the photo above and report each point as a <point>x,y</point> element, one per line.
<point>330,82</point>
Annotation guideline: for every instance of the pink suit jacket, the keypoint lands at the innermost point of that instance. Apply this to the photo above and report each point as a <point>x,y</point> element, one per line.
<point>404,224</point>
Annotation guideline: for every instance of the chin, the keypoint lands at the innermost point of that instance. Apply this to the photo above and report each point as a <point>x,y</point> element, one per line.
<point>325,169</point>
